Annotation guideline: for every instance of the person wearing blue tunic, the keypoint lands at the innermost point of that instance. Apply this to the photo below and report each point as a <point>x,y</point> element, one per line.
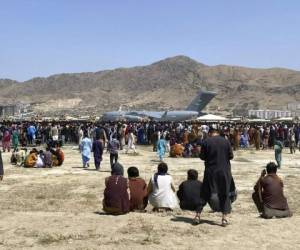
<point>85,149</point>
<point>161,148</point>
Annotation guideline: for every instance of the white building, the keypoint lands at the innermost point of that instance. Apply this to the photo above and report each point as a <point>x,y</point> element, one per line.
<point>269,114</point>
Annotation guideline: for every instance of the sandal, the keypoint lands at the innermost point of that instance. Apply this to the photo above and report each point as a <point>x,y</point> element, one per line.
<point>224,223</point>
<point>196,220</point>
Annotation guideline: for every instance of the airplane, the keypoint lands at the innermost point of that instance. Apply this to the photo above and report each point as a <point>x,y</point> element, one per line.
<point>192,111</point>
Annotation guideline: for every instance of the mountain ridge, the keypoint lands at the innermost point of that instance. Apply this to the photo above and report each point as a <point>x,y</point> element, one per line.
<point>170,83</point>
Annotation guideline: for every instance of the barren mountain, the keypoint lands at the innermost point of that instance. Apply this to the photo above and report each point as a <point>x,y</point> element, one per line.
<point>167,84</point>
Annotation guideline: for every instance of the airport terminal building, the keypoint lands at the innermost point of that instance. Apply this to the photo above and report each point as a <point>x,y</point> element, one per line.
<point>269,114</point>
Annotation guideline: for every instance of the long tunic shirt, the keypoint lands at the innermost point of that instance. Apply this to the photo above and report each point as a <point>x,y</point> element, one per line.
<point>217,153</point>
<point>138,193</point>
<point>116,199</point>
<point>1,165</point>
<point>86,147</point>
<point>98,151</point>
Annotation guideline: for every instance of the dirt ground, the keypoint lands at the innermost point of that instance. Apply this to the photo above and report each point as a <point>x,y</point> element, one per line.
<point>60,208</point>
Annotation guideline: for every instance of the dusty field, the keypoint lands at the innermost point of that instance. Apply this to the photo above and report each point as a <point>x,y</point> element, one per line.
<point>60,208</point>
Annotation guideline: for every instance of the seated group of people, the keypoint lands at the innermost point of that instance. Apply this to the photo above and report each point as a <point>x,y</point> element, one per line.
<point>188,150</point>
<point>160,192</point>
<point>38,159</point>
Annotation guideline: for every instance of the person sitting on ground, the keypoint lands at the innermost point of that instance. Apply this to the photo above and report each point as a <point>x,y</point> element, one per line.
<point>161,191</point>
<point>189,191</point>
<point>268,194</point>
<point>13,158</point>
<point>116,199</point>
<point>18,157</point>
<point>196,150</point>
<point>47,158</point>
<point>187,152</point>
<point>58,156</point>
<point>40,162</point>
<point>176,150</point>
<point>31,159</point>
<point>138,190</point>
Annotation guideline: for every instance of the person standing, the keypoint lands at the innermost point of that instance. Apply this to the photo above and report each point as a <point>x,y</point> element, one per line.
<point>278,146</point>
<point>6,141</point>
<point>256,136</point>
<point>218,183</point>
<point>161,148</point>
<point>97,149</point>
<point>292,141</point>
<point>131,139</point>
<point>112,148</point>
<point>85,149</point>
<point>80,135</point>
<point>1,167</point>
<point>31,130</point>
<point>15,139</point>
<point>54,134</point>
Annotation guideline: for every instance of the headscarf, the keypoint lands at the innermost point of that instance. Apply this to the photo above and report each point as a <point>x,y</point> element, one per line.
<point>117,169</point>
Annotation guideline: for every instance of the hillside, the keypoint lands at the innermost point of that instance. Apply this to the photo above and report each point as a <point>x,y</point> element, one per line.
<point>166,84</point>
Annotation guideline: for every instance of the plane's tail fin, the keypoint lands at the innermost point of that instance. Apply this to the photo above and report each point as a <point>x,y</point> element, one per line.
<point>201,100</point>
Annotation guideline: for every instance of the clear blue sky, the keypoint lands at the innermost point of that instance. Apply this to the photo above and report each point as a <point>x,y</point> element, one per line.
<point>44,37</point>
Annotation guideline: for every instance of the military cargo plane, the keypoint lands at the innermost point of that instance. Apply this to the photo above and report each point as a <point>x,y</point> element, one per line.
<point>192,111</point>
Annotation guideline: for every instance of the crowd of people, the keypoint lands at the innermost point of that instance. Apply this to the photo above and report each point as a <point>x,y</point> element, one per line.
<point>177,139</point>
<point>214,144</point>
<point>48,158</point>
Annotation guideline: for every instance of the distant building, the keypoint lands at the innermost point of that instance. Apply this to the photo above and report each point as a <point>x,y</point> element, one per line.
<point>12,109</point>
<point>7,110</point>
<point>294,108</point>
<point>269,114</point>
<point>239,113</point>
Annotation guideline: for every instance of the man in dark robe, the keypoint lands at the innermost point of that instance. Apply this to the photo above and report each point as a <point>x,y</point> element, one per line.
<point>97,149</point>
<point>1,167</point>
<point>218,187</point>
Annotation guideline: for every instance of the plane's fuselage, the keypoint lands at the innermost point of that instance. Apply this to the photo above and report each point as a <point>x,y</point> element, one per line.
<point>191,112</point>
<point>135,116</point>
